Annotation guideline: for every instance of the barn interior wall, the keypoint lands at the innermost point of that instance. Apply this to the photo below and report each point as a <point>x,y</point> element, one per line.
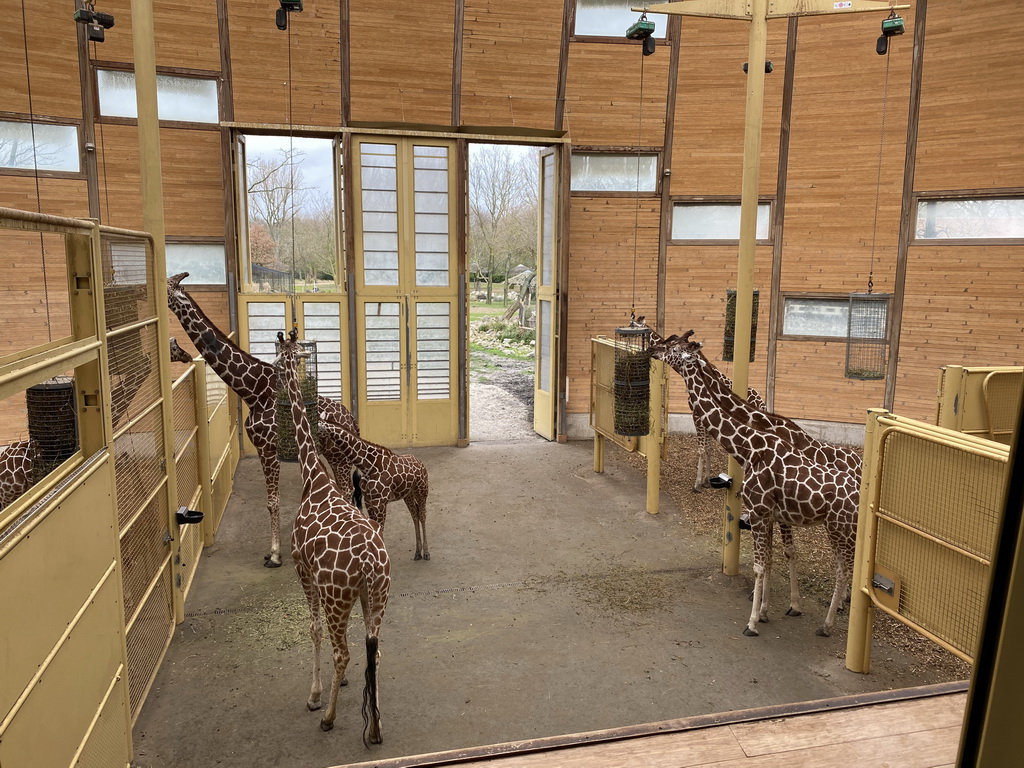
<point>506,68</point>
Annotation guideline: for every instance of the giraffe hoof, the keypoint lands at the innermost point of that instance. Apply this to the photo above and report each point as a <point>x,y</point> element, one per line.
<point>763,619</point>
<point>419,557</point>
<point>313,706</point>
<point>822,632</point>
<point>794,612</point>
<point>268,562</point>
<point>344,681</point>
<point>697,489</point>
<point>426,556</point>
<point>750,632</point>
<point>325,726</point>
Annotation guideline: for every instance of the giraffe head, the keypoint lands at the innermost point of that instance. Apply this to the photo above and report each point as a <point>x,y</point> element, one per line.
<point>287,350</point>
<point>179,355</point>
<point>174,289</point>
<point>677,350</point>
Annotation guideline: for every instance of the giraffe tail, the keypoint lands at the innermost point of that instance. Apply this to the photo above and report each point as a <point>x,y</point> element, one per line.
<point>371,705</point>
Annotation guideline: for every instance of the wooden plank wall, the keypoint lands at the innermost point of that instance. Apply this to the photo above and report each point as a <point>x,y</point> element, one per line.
<point>962,301</point>
<point>510,63</point>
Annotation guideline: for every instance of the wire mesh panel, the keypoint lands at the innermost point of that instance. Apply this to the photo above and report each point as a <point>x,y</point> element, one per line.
<point>145,545</point>
<point>138,464</point>
<point>34,291</point>
<point>128,292</point>
<point>134,372</point>
<point>107,745</point>
<point>729,340</point>
<point>147,638</point>
<point>867,343</point>
<point>632,381</point>
<point>938,509</point>
<point>1002,392</point>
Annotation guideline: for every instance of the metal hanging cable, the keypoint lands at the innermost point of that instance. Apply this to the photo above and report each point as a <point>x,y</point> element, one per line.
<point>878,177</point>
<point>35,166</point>
<point>639,142</point>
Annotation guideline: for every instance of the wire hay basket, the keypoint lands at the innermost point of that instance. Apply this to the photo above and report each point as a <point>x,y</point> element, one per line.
<point>867,340</point>
<point>287,448</point>
<point>632,381</point>
<point>52,423</point>
<point>729,340</point>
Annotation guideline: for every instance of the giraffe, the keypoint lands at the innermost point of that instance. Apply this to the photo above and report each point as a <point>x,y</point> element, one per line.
<point>339,555</point>
<point>252,379</point>
<point>346,477</point>
<point>179,355</point>
<point>782,483</point>
<point>385,476</point>
<point>16,462</point>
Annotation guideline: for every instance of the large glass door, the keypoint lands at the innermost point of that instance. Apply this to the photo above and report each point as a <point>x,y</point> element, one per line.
<point>545,399</point>
<point>407,291</point>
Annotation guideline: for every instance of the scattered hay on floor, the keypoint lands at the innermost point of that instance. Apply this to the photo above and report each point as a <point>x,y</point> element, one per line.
<point>619,590</point>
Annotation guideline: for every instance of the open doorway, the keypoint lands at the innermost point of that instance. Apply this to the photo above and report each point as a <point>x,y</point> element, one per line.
<point>503,241</point>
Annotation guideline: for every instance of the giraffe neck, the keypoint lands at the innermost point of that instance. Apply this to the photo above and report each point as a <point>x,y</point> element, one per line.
<point>362,453</point>
<point>312,471</point>
<point>720,415</point>
<point>225,357</point>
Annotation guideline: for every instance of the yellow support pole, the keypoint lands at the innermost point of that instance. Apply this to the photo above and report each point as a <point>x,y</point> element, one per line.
<point>655,438</point>
<point>598,452</point>
<point>862,610</point>
<point>144,51</point>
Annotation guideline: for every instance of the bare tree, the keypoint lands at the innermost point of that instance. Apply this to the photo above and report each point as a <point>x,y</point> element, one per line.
<point>502,210</point>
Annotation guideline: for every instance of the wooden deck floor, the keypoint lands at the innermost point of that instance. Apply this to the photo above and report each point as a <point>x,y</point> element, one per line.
<point>919,729</point>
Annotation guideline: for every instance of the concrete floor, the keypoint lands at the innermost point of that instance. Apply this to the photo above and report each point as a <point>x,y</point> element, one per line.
<point>553,603</point>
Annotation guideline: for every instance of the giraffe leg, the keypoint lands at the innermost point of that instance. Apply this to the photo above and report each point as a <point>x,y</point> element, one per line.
<point>761,530</point>
<point>844,571</point>
<point>762,611</point>
<point>700,478</point>
<point>418,511</point>
<point>789,548</point>
<point>315,634</point>
<point>337,624</point>
<point>272,473</point>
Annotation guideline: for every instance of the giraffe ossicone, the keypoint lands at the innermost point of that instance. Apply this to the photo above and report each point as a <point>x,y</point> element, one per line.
<point>340,557</point>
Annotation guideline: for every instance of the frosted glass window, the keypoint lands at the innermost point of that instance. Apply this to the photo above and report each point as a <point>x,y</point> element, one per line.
<point>204,262</point>
<point>379,177</point>
<point>48,147</point>
<point>383,351</point>
<point>266,320</point>
<point>322,324</point>
<point>544,341</point>
<point>829,318</point>
<point>547,245</point>
<point>611,18</point>
<point>433,351</point>
<point>994,218</point>
<point>720,221</point>
<point>187,99</point>
<point>609,172</point>
<point>430,204</point>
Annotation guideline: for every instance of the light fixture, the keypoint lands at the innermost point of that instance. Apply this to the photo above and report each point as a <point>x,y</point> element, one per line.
<point>95,22</point>
<point>643,29</point>
<point>287,6</point>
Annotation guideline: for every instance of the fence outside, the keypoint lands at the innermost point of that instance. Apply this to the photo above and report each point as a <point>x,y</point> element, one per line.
<point>94,567</point>
<point>930,508</point>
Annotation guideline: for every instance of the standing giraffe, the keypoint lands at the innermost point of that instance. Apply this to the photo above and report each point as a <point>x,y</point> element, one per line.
<point>252,380</point>
<point>782,483</point>
<point>16,462</point>
<point>339,555</point>
<point>346,477</point>
<point>385,476</point>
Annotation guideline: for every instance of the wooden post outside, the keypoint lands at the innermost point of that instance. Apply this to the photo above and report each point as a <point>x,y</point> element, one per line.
<point>598,452</point>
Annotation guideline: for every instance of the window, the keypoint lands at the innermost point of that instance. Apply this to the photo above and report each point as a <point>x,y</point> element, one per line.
<point>984,218</point>
<point>48,147</point>
<point>204,262</point>
<point>292,224</point>
<point>830,318</point>
<point>717,221</point>
<point>609,172</point>
<point>611,18</point>
<point>184,99</point>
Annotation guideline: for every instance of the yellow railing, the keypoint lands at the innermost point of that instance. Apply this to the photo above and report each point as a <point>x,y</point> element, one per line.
<point>929,512</point>
<point>602,415</point>
<point>980,401</point>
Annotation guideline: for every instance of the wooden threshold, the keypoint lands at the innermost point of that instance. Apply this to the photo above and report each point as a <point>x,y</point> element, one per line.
<point>908,727</point>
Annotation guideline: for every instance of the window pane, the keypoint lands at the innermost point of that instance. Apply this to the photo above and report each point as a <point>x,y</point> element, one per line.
<point>383,352</point>
<point>290,186</point>
<point>612,18</point>
<point>190,99</point>
<point>433,351</point>
<point>609,172</point>
<point>981,218</point>
<point>547,244</point>
<point>432,222</point>
<point>816,317</point>
<point>431,181</point>
<point>696,221</point>
<point>431,202</point>
<point>56,146</point>
<point>322,323</point>
<point>204,262</point>
<point>544,346</point>
<point>432,260</point>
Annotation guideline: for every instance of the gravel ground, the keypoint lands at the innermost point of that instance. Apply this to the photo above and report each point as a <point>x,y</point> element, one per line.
<point>500,398</point>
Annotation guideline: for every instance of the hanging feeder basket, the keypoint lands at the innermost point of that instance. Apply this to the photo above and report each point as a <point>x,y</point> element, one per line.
<point>867,339</point>
<point>632,381</point>
<point>52,423</point>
